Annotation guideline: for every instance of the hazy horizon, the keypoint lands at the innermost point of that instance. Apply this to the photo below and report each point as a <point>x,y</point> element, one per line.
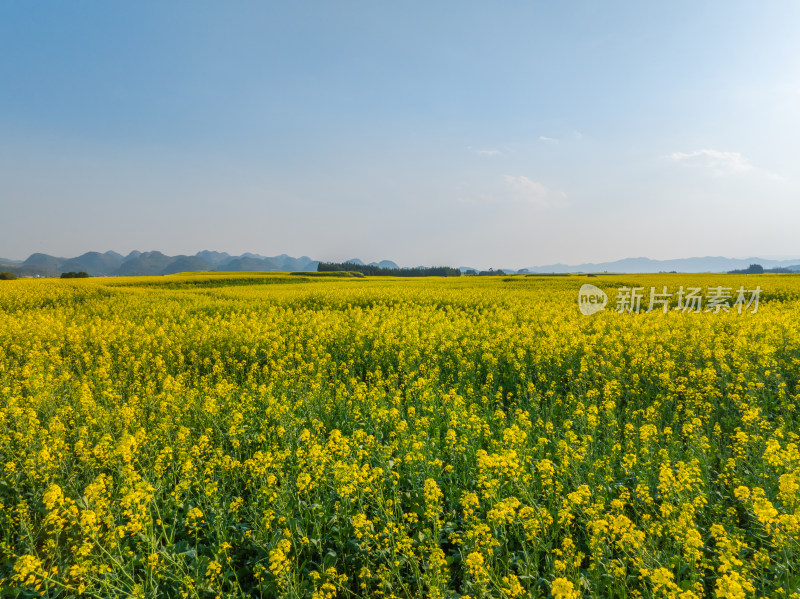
<point>463,134</point>
<point>789,260</point>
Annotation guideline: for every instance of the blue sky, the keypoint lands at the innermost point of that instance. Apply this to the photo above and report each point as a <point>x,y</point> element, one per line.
<point>503,134</point>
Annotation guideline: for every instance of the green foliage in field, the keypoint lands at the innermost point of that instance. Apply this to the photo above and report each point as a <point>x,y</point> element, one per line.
<point>333,273</point>
<point>377,271</point>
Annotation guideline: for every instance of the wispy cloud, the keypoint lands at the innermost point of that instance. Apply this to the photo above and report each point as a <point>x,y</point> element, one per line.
<point>550,139</point>
<point>518,190</point>
<point>525,190</point>
<point>720,163</point>
<point>486,152</point>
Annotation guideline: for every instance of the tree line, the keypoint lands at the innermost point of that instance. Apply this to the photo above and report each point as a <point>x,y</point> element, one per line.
<point>377,271</point>
<point>757,269</point>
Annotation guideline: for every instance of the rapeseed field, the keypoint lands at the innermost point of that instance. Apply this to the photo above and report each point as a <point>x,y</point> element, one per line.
<point>287,436</point>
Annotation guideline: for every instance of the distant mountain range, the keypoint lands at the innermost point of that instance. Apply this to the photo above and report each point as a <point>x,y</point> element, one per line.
<point>688,265</point>
<point>155,263</point>
<point>381,264</point>
<point>647,265</point>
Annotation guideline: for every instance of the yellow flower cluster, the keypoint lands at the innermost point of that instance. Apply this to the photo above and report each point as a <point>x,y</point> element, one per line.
<point>223,435</point>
